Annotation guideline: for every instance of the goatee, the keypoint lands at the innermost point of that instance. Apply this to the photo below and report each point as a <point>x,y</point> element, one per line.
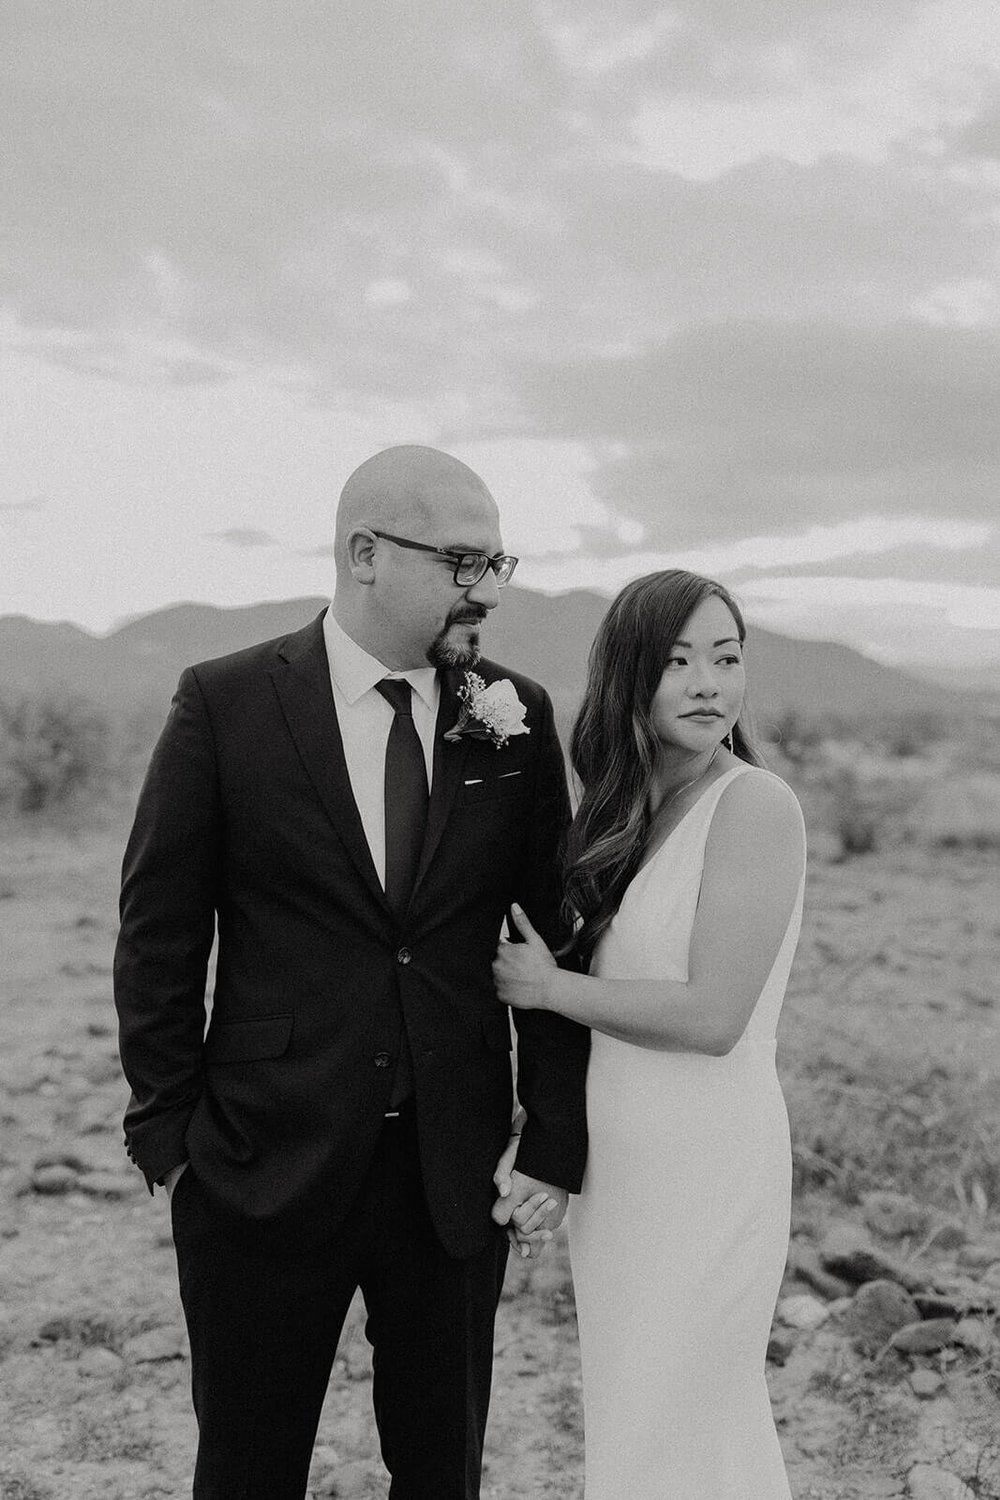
<point>446,655</point>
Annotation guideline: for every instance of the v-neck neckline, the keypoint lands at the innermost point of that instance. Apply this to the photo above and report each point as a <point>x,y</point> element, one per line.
<point>733,770</point>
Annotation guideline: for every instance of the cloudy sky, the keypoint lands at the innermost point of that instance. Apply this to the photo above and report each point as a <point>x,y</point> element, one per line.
<point>714,284</point>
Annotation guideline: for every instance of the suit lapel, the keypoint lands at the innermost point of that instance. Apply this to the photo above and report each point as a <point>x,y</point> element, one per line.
<point>302,681</point>
<point>449,761</point>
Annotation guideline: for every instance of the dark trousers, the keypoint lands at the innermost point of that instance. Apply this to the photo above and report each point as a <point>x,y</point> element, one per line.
<point>264,1331</point>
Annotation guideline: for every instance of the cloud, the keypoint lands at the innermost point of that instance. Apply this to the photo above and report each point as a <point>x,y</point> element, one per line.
<point>737,427</point>
<point>243,536</point>
<point>401,198</point>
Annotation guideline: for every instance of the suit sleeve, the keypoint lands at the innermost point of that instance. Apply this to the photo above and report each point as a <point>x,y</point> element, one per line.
<point>168,901</point>
<point>552,1051</point>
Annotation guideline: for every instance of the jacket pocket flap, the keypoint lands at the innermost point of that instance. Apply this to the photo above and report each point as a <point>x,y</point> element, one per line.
<point>248,1041</point>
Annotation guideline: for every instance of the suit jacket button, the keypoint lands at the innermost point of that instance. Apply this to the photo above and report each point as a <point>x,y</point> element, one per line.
<point>403,956</point>
<point>382,1059</point>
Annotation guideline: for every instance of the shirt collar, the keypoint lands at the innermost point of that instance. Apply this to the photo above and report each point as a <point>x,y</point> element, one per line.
<point>356,672</point>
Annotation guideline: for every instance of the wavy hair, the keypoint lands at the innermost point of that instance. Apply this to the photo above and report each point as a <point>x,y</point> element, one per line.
<point>614,746</point>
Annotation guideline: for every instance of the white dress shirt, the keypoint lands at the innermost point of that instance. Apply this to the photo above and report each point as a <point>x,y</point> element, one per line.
<point>365,719</point>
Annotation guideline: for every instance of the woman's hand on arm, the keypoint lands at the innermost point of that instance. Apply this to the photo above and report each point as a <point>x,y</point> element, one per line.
<point>522,972</point>
<point>754,860</point>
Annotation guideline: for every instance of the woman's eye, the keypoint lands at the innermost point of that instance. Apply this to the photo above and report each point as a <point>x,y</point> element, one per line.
<point>731,661</point>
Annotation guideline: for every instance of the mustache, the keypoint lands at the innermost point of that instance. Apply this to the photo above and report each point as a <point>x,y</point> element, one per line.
<point>467,616</point>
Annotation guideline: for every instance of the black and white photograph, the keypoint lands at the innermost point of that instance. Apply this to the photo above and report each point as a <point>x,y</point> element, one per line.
<point>500,750</point>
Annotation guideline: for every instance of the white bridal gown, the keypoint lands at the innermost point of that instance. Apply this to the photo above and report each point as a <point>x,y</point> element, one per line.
<point>678,1239</point>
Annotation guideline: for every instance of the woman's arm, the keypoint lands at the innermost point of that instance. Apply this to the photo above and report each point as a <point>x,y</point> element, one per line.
<point>754,860</point>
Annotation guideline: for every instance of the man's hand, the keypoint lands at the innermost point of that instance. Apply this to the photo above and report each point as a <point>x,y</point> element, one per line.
<point>531,1211</point>
<point>173,1177</point>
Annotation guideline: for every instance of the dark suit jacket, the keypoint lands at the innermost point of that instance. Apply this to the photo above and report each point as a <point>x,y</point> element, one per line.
<point>247,822</point>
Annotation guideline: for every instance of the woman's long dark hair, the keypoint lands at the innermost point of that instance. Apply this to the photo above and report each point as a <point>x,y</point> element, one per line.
<point>614,746</point>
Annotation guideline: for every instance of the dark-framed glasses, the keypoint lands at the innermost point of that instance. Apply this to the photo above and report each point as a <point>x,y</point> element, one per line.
<point>470,567</point>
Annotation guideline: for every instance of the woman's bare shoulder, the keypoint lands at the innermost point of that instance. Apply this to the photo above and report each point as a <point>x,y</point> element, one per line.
<point>762,802</point>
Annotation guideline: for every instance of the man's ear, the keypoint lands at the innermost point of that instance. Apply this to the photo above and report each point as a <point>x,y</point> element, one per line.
<point>361,554</point>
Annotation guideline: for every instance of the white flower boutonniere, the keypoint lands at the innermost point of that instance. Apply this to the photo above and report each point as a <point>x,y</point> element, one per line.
<point>488,713</point>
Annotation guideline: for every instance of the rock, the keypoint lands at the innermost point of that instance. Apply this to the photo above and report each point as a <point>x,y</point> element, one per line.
<point>62,1158</point>
<point>801,1311</point>
<point>154,1345</point>
<point>99,1361</point>
<point>847,1252</point>
<point>106,1185</point>
<point>894,1214</point>
<point>975,1334</point>
<point>804,1264</point>
<point>954,1298</point>
<point>876,1311</point>
<point>927,1482</point>
<point>925,1337</point>
<point>950,1235</point>
<point>779,1346</point>
<point>53,1180</point>
<point>925,1383</point>
<point>977,1257</point>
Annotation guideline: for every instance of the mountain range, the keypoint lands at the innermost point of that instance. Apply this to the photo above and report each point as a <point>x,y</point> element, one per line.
<point>132,670</point>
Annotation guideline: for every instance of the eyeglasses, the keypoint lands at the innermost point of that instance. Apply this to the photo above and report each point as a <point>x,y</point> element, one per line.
<point>470,567</point>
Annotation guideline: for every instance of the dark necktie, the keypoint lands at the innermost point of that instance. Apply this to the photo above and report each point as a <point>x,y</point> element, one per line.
<point>405,821</point>
<point>405,797</point>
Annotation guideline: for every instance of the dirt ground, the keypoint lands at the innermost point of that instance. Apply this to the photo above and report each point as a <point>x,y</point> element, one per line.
<point>900,952</point>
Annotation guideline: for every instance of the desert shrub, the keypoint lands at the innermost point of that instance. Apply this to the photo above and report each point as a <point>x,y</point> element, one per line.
<point>854,818</point>
<point>52,750</point>
<point>871,1121</point>
<point>798,736</point>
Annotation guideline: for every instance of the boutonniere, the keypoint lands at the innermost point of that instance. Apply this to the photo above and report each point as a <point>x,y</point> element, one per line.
<point>488,713</point>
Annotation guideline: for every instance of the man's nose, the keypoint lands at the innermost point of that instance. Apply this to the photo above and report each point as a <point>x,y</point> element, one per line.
<point>485,593</point>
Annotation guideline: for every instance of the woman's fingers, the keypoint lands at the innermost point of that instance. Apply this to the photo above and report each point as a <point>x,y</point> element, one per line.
<point>531,1215</point>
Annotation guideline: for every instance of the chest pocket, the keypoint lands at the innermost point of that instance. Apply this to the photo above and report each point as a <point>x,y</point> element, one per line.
<point>508,786</point>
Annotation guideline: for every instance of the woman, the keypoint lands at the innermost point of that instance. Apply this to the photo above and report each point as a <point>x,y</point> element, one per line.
<point>685,870</point>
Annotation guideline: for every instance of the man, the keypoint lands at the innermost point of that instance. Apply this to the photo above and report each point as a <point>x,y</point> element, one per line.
<point>340,1123</point>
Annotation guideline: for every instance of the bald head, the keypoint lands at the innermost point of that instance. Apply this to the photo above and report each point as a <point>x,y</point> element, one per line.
<point>402,603</point>
<point>417,492</point>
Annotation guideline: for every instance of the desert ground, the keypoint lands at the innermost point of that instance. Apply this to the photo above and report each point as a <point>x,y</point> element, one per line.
<point>890,1060</point>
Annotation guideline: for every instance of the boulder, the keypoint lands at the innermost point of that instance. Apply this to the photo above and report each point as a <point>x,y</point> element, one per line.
<point>801,1311</point>
<point>779,1346</point>
<point>876,1311</point>
<point>52,1180</point>
<point>804,1264</point>
<point>925,1337</point>
<point>847,1252</point>
<point>975,1334</point>
<point>925,1384</point>
<point>949,1235</point>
